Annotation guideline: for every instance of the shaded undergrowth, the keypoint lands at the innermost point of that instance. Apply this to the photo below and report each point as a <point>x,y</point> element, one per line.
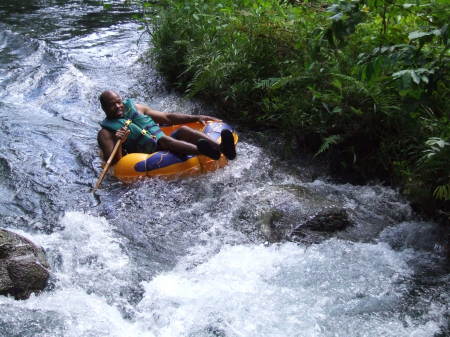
<point>364,83</point>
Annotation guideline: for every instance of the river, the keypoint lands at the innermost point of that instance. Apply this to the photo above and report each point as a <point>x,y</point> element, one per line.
<point>186,257</point>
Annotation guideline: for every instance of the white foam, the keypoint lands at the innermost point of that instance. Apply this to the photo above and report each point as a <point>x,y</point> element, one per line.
<point>91,270</point>
<point>68,312</point>
<point>87,251</point>
<point>332,289</point>
<point>335,288</point>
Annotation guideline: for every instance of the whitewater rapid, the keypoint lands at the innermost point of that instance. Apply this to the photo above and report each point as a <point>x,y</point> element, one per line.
<point>184,258</point>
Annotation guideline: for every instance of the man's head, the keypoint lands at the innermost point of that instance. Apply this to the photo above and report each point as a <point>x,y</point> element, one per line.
<point>112,104</point>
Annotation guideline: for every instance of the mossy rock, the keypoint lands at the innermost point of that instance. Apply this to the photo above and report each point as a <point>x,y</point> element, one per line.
<point>23,266</point>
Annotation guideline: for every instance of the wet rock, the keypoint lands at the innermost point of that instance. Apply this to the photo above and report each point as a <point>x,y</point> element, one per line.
<point>5,249</point>
<point>23,266</point>
<point>331,220</point>
<point>267,225</point>
<point>322,226</point>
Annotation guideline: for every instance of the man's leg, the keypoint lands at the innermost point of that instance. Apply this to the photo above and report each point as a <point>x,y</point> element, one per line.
<point>184,139</point>
<point>193,136</point>
<point>177,146</point>
<point>206,144</point>
<point>184,147</point>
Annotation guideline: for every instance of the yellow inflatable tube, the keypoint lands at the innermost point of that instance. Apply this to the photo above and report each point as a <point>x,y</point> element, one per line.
<point>165,164</point>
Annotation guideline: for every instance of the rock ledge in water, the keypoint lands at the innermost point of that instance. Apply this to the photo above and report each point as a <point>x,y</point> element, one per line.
<point>322,225</point>
<point>23,266</point>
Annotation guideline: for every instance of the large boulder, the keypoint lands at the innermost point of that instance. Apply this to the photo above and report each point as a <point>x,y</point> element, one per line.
<point>23,266</point>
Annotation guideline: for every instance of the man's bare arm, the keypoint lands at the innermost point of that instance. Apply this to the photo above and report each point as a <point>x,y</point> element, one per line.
<point>106,140</point>
<point>172,118</point>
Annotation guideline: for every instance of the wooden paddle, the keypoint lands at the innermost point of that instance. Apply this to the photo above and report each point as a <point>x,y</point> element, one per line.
<point>108,163</point>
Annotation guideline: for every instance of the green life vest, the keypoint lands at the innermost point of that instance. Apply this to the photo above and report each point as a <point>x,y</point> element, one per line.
<point>144,132</point>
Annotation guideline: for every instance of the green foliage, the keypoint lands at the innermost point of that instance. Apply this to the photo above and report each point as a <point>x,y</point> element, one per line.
<point>442,192</point>
<point>435,166</point>
<point>368,79</point>
<point>328,142</point>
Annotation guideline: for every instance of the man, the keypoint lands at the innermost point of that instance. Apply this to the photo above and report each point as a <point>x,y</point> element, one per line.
<point>143,134</point>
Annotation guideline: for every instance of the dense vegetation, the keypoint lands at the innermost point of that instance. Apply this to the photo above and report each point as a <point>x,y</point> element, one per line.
<point>363,82</point>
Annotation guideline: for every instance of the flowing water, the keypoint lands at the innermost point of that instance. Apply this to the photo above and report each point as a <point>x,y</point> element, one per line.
<point>188,257</point>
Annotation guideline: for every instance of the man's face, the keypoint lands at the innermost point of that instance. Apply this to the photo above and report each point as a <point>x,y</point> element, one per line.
<point>113,106</point>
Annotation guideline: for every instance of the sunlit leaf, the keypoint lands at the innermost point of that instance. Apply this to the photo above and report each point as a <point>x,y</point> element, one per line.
<point>337,17</point>
<point>414,77</point>
<point>442,192</point>
<point>441,143</point>
<point>419,34</point>
<point>327,143</point>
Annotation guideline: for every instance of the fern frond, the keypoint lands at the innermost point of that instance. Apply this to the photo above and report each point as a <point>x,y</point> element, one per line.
<point>273,82</point>
<point>327,143</point>
<point>442,192</point>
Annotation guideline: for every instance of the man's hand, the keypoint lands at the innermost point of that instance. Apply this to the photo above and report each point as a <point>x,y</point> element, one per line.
<point>122,133</point>
<point>203,119</point>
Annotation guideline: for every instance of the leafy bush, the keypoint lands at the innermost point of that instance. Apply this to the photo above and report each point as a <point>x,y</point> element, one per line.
<point>365,82</point>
